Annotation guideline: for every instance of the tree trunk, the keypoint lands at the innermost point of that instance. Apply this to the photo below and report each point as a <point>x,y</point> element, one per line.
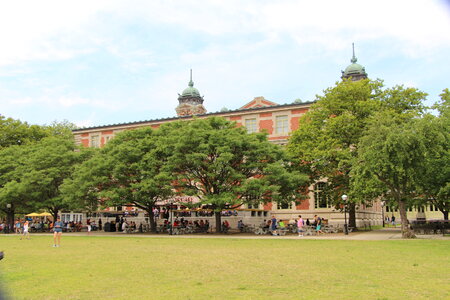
<point>151,219</point>
<point>218,221</point>
<point>54,212</point>
<point>352,215</point>
<point>445,214</point>
<point>10,220</point>
<point>407,233</point>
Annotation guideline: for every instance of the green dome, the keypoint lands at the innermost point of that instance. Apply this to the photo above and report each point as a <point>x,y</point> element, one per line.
<point>354,69</point>
<point>190,91</point>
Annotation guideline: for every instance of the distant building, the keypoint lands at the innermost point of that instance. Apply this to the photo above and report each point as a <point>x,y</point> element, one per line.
<point>279,120</point>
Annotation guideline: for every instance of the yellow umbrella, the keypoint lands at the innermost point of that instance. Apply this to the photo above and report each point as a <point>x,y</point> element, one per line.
<point>44,214</point>
<point>33,215</point>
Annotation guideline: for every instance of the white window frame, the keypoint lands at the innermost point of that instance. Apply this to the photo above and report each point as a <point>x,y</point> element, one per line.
<point>251,125</point>
<point>282,124</point>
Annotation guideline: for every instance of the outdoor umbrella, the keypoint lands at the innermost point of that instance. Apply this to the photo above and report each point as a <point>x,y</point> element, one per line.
<point>33,215</point>
<point>45,214</point>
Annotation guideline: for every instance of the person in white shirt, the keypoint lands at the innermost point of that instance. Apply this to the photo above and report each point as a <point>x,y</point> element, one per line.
<point>25,230</point>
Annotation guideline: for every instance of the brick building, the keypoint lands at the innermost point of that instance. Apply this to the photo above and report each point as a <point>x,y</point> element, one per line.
<point>259,114</point>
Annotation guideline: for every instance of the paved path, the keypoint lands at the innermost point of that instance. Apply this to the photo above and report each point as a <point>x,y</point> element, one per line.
<point>375,235</point>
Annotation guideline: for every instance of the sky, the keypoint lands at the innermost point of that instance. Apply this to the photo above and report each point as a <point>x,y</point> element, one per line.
<point>107,62</point>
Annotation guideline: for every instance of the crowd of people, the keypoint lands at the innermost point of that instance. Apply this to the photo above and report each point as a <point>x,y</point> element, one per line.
<point>276,226</point>
<point>273,226</point>
<point>196,225</point>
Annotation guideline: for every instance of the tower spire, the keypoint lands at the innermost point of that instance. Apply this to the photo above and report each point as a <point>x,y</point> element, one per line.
<point>354,59</point>
<point>191,83</point>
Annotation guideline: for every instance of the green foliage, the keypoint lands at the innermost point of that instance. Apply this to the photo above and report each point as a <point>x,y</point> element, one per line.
<point>328,138</point>
<point>433,183</point>
<point>326,141</point>
<point>15,132</point>
<point>31,174</point>
<point>63,128</point>
<point>223,165</point>
<point>129,169</point>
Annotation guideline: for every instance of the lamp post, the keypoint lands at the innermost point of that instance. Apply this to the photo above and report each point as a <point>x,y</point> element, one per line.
<point>10,220</point>
<point>344,198</point>
<point>383,203</point>
<point>171,218</point>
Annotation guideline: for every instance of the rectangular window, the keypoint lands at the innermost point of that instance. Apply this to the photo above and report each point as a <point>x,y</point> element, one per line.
<point>250,124</point>
<point>321,199</point>
<point>95,141</point>
<point>281,125</point>
<point>284,205</point>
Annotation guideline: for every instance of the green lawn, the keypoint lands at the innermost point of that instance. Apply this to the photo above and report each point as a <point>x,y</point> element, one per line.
<point>204,268</point>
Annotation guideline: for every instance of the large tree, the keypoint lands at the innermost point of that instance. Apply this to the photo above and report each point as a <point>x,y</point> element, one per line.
<point>390,162</point>
<point>128,170</point>
<point>434,184</point>
<point>225,167</point>
<point>37,171</point>
<point>15,138</point>
<point>329,133</point>
<point>11,197</point>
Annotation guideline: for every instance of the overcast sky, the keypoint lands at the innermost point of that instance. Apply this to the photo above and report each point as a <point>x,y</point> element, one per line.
<point>104,62</point>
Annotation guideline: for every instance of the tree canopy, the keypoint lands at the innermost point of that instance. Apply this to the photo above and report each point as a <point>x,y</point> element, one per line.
<point>327,141</point>
<point>225,167</point>
<point>128,170</point>
<point>32,174</point>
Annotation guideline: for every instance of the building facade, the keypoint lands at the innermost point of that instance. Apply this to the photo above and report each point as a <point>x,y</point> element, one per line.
<point>257,115</point>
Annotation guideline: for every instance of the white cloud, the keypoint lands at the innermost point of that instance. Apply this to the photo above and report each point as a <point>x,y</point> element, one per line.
<point>52,30</point>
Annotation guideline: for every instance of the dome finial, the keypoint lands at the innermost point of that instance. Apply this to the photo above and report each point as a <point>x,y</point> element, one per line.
<point>354,59</point>
<point>191,83</point>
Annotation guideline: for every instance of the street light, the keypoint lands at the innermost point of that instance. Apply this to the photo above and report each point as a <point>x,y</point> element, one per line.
<point>171,218</point>
<point>383,203</point>
<point>10,221</point>
<point>344,198</point>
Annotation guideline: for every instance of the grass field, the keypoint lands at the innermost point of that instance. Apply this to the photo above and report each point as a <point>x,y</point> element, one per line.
<point>184,268</point>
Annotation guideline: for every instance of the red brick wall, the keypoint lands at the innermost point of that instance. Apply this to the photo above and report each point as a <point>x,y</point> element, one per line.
<point>265,115</point>
<point>303,205</point>
<point>299,111</point>
<point>107,132</point>
<point>85,142</point>
<point>294,123</point>
<point>268,206</point>
<point>235,118</point>
<point>267,125</point>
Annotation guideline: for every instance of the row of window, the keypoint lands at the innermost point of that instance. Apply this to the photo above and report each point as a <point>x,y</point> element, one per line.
<point>281,125</point>
<point>418,209</point>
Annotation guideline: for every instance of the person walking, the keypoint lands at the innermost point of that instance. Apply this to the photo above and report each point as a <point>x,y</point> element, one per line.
<point>57,232</point>
<point>17,226</point>
<point>273,225</point>
<point>25,233</point>
<point>89,227</point>
<point>300,226</point>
